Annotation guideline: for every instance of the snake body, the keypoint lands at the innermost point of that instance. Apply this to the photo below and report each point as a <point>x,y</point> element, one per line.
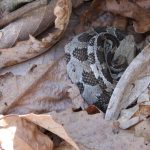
<point>91,64</point>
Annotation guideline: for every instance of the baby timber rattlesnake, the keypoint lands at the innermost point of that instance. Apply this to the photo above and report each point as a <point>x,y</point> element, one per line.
<point>91,64</point>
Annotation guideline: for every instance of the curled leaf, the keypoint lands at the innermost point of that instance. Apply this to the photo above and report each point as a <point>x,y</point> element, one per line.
<point>25,50</point>
<point>10,17</point>
<point>17,133</point>
<point>33,23</point>
<point>47,122</point>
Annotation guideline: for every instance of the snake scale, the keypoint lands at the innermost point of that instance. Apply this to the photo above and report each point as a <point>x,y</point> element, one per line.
<point>91,64</point>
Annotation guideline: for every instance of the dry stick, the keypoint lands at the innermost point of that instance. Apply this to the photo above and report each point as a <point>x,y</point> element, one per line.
<point>21,11</point>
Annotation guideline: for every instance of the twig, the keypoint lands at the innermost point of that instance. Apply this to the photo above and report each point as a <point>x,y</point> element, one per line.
<point>21,11</point>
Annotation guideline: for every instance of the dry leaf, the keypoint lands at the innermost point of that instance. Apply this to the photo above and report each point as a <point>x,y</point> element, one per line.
<point>7,6</point>
<point>44,88</point>
<point>141,111</point>
<point>25,50</point>
<point>120,22</point>
<point>143,130</point>
<point>99,16</point>
<point>132,84</point>
<point>14,15</point>
<point>47,122</point>
<point>140,16</point>
<point>93,12</point>
<point>17,133</point>
<point>92,132</point>
<point>22,132</point>
<point>76,3</point>
<point>95,16</point>
<point>136,10</point>
<point>144,110</point>
<point>143,3</point>
<point>92,110</point>
<point>33,23</point>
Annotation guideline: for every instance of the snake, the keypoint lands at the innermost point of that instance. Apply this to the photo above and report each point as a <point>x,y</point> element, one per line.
<point>92,64</point>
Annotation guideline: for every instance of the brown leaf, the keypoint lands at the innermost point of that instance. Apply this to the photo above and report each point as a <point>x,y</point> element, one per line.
<point>120,22</point>
<point>136,10</point>
<point>144,110</point>
<point>143,3</point>
<point>44,88</point>
<point>25,50</point>
<point>22,132</point>
<point>92,13</point>
<point>140,16</point>
<point>47,122</point>
<point>76,3</point>
<point>17,133</point>
<point>99,16</point>
<point>92,110</point>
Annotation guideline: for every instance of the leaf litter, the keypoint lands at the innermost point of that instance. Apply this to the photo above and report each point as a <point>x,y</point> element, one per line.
<point>25,134</point>
<point>41,85</point>
<point>45,86</point>
<point>32,47</point>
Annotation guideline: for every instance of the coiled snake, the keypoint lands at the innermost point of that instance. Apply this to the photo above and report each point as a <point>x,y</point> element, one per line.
<point>93,66</point>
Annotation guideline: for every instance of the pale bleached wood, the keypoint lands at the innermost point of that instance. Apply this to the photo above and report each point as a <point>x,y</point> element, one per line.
<point>138,68</point>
